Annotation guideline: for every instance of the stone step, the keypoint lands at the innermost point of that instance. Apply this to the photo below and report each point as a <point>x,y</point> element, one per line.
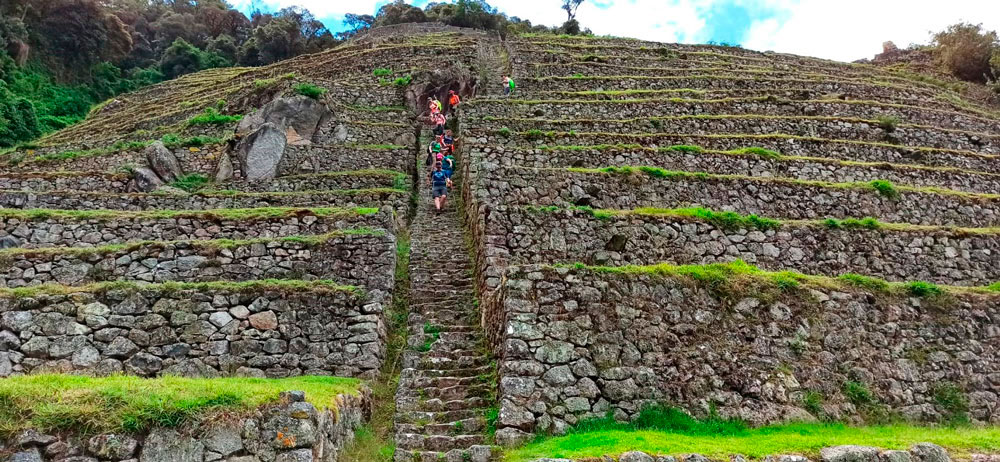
<point>416,360</point>
<point>425,417</point>
<point>420,328</point>
<point>440,443</point>
<point>452,393</point>
<point>459,372</point>
<point>413,403</point>
<point>445,381</point>
<point>477,453</point>
<point>458,427</point>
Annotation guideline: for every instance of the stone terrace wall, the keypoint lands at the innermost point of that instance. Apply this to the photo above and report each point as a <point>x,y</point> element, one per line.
<point>748,165</point>
<point>666,107</point>
<point>293,430</point>
<point>357,132</point>
<point>398,200</point>
<point>121,183</point>
<point>202,160</point>
<point>521,186</point>
<point>83,232</point>
<point>318,158</point>
<point>354,259</point>
<point>575,344</point>
<point>834,129</point>
<point>159,330</point>
<point>522,236</point>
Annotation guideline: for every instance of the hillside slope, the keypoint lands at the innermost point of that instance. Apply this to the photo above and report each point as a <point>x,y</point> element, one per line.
<point>752,235</point>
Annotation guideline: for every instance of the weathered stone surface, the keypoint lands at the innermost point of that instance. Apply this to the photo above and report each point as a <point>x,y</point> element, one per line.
<point>635,456</point>
<point>849,453</point>
<point>299,113</point>
<point>260,152</point>
<point>146,180</point>
<point>928,452</point>
<point>265,320</point>
<point>112,446</point>
<point>164,444</point>
<point>163,162</point>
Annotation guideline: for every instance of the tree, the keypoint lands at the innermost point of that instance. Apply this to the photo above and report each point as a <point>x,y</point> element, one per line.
<point>571,6</point>
<point>355,24</point>
<point>398,12</point>
<point>225,47</point>
<point>966,50</point>
<point>77,34</point>
<point>180,58</point>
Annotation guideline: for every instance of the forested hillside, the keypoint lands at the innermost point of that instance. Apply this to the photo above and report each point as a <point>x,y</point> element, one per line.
<point>60,57</point>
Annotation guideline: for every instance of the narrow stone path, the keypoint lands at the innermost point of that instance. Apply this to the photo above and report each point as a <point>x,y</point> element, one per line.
<point>445,386</point>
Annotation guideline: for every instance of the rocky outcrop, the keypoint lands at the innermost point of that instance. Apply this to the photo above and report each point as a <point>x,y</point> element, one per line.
<point>292,430</point>
<point>162,161</point>
<point>146,180</point>
<point>297,116</point>
<point>260,152</point>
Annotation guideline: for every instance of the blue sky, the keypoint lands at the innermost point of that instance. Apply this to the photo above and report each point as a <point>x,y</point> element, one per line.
<point>835,29</point>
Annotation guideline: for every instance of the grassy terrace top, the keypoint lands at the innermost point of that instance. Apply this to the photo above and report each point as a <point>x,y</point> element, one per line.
<point>757,443</point>
<point>279,285</point>
<point>53,403</point>
<point>262,213</point>
<point>739,278</point>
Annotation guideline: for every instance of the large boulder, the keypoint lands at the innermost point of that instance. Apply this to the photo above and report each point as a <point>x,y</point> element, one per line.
<point>298,116</point>
<point>146,180</point>
<point>163,161</point>
<point>260,152</point>
<point>224,172</point>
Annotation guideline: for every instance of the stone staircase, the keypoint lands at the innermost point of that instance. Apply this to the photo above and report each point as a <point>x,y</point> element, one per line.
<point>446,385</point>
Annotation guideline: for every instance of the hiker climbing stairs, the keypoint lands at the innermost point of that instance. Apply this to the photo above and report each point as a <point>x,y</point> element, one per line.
<point>445,387</point>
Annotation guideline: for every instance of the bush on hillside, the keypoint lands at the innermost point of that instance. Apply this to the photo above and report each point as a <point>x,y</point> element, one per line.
<point>966,50</point>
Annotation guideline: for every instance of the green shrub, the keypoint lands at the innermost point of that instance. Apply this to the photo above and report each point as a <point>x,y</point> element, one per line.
<point>887,123</point>
<point>731,220</point>
<point>813,402</point>
<point>761,152</point>
<point>863,223</point>
<point>950,397</point>
<point>864,282</point>
<point>403,81</point>
<point>504,132</point>
<point>191,182</point>
<point>264,83</point>
<point>211,116</point>
<point>859,394</point>
<point>310,90</point>
<point>832,223</point>
<point>667,419</point>
<point>534,134</point>
<point>922,289</point>
<point>382,72</point>
<point>885,188</point>
<point>685,148</point>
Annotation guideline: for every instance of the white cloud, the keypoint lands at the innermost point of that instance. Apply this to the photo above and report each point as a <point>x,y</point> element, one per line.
<point>843,30</point>
<point>847,30</point>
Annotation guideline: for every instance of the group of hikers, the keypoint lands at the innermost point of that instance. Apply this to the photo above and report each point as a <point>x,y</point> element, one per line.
<point>441,151</point>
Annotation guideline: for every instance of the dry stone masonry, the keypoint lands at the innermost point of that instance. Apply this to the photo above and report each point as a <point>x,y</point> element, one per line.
<point>603,144</point>
<point>291,431</point>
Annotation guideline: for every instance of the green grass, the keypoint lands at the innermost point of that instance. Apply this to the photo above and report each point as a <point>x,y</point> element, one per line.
<point>191,182</point>
<point>382,72</point>
<point>88,405</point>
<point>211,116</point>
<point>310,90</point>
<point>864,282</point>
<point>885,188</point>
<point>283,285</point>
<point>887,123</point>
<point>755,443</point>
<point>923,289</point>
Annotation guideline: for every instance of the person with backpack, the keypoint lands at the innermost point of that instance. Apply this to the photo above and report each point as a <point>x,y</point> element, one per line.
<point>433,150</point>
<point>448,141</point>
<point>438,120</point>
<point>453,100</point>
<point>508,85</point>
<point>439,183</point>
<point>433,106</point>
<point>448,164</point>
